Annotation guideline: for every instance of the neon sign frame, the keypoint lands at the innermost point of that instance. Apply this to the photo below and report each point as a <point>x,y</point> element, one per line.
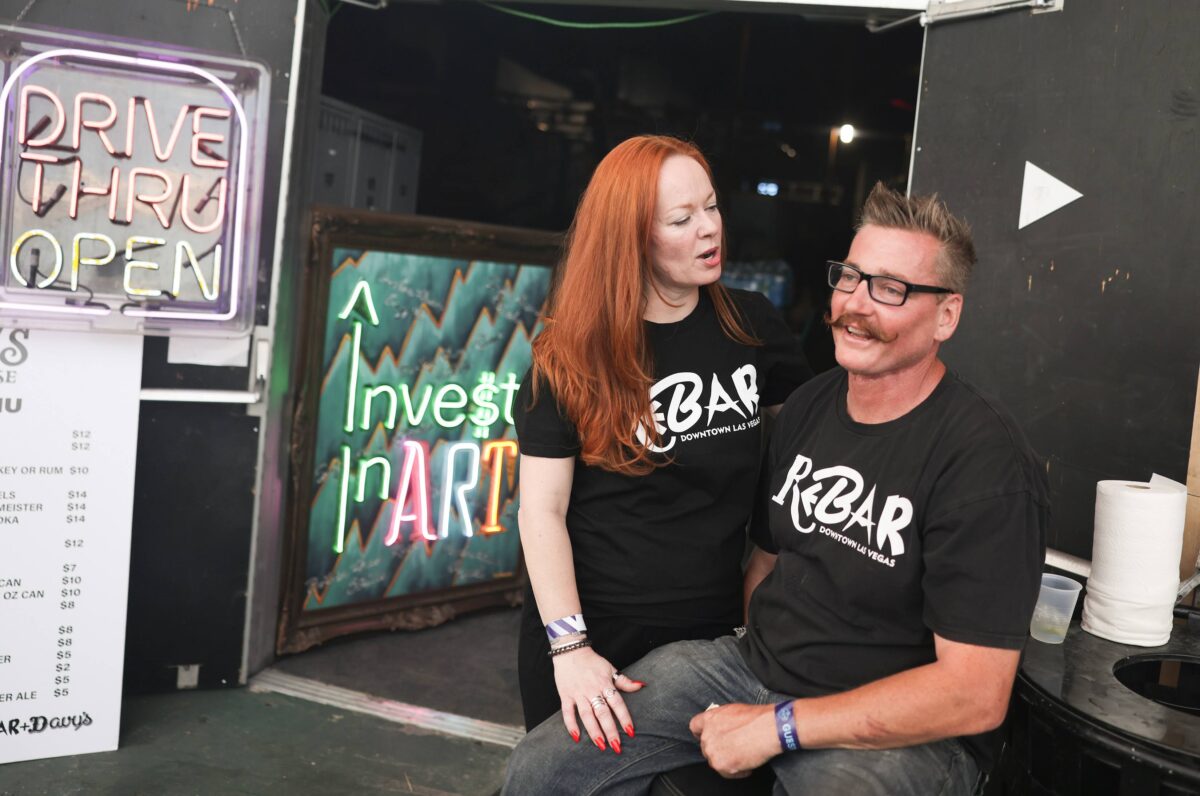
<point>236,235</point>
<point>421,490</point>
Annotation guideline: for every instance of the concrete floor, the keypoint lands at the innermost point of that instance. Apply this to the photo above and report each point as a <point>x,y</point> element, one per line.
<point>467,666</point>
<point>240,742</point>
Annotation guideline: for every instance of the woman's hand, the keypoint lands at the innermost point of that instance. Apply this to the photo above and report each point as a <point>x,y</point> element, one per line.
<point>591,686</point>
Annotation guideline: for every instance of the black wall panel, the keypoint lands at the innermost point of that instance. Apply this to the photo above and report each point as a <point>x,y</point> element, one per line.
<point>193,500</point>
<point>1085,322</point>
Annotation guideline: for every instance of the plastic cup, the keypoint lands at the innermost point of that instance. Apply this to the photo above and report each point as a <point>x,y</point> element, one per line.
<point>1055,605</point>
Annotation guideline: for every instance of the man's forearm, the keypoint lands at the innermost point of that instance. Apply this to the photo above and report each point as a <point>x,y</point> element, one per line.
<point>964,692</point>
<point>916,706</point>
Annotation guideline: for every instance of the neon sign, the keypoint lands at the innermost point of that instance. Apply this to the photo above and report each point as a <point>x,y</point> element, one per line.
<point>403,500</point>
<point>449,407</point>
<point>131,183</point>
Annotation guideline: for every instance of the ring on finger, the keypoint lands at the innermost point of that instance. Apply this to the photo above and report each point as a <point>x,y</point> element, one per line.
<point>609,693</point>
<point>615,675</point>
<point>597,702</point>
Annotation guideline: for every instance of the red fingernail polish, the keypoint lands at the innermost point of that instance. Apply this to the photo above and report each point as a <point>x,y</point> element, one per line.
<point>599,743</point>
<point>629,730</point>
<point>638,682</point>
<point>575,735</point>
<point>616,745</point>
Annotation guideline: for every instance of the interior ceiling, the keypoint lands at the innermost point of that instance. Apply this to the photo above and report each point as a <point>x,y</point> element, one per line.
<point>804,10</point>
<point>516,112</point>
<point>789,70</point>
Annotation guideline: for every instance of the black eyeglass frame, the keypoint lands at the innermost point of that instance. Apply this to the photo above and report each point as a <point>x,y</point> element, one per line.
<point>909,287</point>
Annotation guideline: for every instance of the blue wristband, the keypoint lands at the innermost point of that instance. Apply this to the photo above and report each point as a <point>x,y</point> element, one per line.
<point>785,725</point>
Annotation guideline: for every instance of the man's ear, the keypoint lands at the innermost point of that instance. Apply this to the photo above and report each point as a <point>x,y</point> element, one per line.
<point>948,312</point>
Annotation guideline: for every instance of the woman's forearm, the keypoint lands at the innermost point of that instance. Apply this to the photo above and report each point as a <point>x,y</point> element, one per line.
<point>542,518</point>
<point>548,559</point>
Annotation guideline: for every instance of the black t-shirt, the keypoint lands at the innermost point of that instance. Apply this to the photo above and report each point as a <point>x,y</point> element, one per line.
<point>665,549</point>
<point>888,533</point>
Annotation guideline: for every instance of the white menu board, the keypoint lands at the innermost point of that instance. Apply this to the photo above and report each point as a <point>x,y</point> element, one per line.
<point>68,439</point>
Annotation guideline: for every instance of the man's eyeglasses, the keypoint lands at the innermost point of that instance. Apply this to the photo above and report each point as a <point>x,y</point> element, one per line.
<point>884,289</point>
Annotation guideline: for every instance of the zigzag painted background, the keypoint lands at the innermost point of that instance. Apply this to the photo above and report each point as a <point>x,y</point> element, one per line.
<point>440,322</point>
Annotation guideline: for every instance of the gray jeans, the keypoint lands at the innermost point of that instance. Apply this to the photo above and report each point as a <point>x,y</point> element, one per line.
<point>682,680</point>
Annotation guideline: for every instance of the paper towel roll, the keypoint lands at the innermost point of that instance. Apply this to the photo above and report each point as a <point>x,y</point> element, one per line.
<point>1135,560</point>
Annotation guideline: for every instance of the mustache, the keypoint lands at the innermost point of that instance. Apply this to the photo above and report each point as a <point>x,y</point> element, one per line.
<point>863,324</point>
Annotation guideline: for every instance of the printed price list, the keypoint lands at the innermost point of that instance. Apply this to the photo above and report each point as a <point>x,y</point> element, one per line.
<point>66,490</point>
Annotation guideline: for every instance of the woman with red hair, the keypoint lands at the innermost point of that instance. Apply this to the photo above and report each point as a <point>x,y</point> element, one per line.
<point>638,429</point>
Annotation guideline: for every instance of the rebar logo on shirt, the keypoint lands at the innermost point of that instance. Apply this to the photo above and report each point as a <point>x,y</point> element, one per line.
<point>678,405</point>
<point>831,500</point>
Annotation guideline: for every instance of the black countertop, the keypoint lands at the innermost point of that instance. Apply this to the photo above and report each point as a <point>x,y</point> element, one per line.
<point>1079,674</point>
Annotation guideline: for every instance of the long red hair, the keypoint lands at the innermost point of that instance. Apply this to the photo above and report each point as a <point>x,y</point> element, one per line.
<point>592,352</point>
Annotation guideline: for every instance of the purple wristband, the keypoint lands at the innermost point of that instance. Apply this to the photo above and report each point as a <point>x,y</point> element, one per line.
<point>566,626</point>
<point>785,725</point>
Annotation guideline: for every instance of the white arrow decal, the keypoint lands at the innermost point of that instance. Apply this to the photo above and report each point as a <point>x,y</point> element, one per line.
<point>1042,194</point>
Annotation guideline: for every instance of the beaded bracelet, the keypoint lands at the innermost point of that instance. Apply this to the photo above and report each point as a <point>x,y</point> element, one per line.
<point>563,641</point>
<point>569,647</point>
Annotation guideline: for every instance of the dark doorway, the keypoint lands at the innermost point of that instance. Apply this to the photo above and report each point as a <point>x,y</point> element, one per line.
<point>510,114</point>
<point>515,112</point>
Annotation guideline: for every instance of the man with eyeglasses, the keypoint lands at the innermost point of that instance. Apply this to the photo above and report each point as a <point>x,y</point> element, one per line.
<point>898,546</point>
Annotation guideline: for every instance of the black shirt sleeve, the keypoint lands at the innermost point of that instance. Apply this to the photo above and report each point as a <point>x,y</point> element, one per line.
<point>782,366</point>
<point>542,430</point>
<point>983,563</point>
<point>760,522</point>
<point>760,525</point>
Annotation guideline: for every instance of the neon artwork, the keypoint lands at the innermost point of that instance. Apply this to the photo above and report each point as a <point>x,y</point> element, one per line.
<point>16,249</point>
<point>99,127</point>
<point>458,494</point>
<point>446,406</point>
<point>364,471</point>
<point>183,250</point>
<point>150,200</point>
<point>199,139</point>
<point>415,467</point>
<point>387,391</point>
<point>413,412</point>
<point>411,504</point>
<point>22,120</point>
<point>137,242</point>
<point>78,189</point>
<point>496,451</point>
<point>39,174</point>
<point>162,153</point>
<point>361,296</point>
<point>77,258</point>
<point>186,208</point>
<point>181,201</point>
<point>343,501</point>
<point>130,127</point>
<point>356,348</point>
<point>449,402</point>
<point>443,402</point>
